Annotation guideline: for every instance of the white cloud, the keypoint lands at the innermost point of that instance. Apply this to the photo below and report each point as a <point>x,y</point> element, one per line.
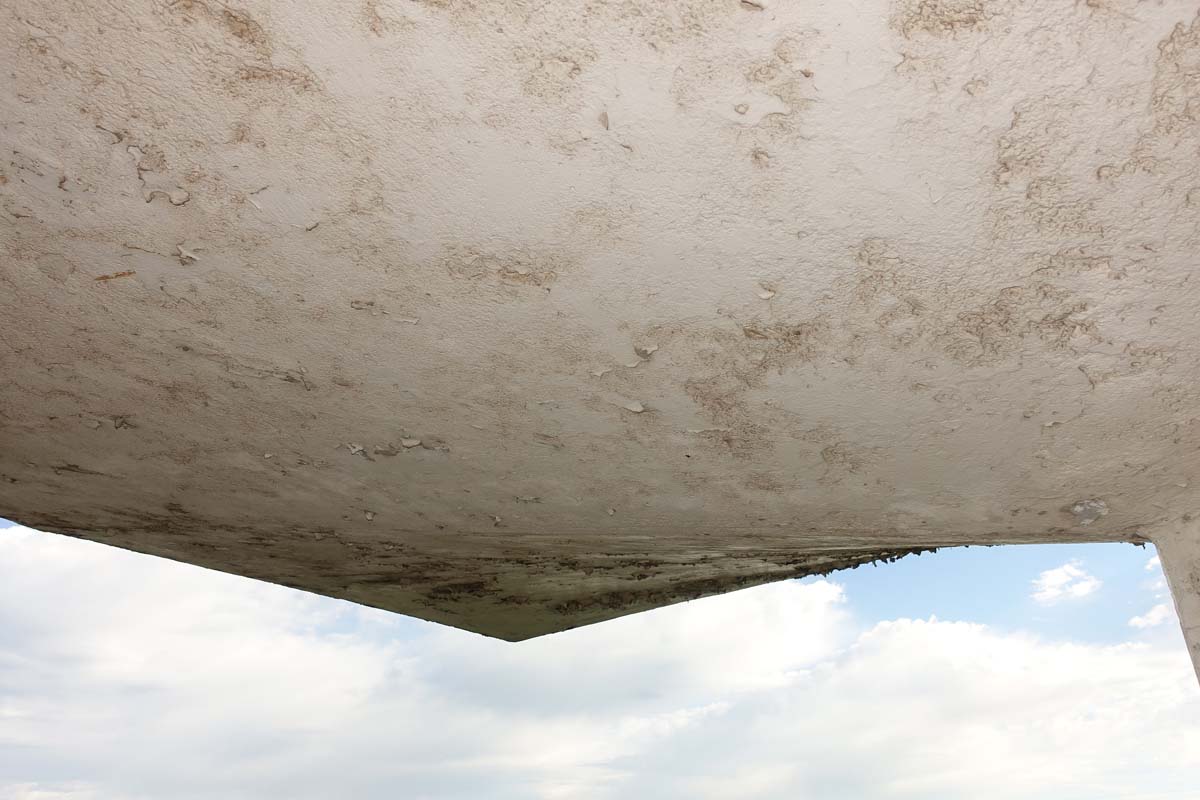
<point>66,791</point>
<point>1070,581</point>
<point>1154,617</point>
<point>1158,586</point>
<point>123,676</point>
<point>31,791</point>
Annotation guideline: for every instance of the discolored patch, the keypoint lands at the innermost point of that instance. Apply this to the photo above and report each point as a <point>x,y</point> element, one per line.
<point>295,79</point>
<point>997,329</point>
<point>235,23</point>
<point>512,266</point>
<point>942,18</point>
<point>777,344</point>
<point>380,22</point>
<point>1175,97</point>
<point>551,76</point>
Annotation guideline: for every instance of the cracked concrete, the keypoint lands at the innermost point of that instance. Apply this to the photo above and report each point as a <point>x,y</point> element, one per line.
<point>737,291</point>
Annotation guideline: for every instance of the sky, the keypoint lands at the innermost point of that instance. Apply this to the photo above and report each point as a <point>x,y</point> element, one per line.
<point>1048,671</point>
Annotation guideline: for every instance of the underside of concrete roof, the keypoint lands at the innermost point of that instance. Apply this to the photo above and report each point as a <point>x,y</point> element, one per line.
<point>521,316</point>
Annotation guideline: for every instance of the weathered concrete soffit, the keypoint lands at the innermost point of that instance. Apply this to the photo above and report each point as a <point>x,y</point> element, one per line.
<point>520,317</point>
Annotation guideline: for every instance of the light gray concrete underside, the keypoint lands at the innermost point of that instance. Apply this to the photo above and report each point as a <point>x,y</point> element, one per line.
<point>1179,549</point>
<point>521,316</point>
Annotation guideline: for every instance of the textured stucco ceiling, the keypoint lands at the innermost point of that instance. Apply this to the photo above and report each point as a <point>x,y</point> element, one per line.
<point>522,315</point>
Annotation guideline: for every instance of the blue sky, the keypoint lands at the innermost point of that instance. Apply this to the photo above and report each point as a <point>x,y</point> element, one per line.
<point>1012,672</point>
<point>991,585</point>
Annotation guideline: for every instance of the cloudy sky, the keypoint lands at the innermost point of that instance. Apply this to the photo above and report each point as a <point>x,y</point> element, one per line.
<point>1036,672</point>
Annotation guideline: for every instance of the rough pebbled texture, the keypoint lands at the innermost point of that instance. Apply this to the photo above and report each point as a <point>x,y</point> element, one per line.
<point>518,316</point>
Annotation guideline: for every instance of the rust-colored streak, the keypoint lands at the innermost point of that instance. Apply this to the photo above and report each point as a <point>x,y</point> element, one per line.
<point>115,275</point>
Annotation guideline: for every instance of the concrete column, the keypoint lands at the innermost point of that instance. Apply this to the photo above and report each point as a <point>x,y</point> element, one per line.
<point>1179,550</point>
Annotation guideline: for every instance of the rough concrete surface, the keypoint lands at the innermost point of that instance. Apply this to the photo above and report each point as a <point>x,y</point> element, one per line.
<point>1179,549</point>
<point>518,316</point>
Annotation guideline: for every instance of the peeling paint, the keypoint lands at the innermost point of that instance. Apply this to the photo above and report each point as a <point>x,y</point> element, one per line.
<point>1088,511</point>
